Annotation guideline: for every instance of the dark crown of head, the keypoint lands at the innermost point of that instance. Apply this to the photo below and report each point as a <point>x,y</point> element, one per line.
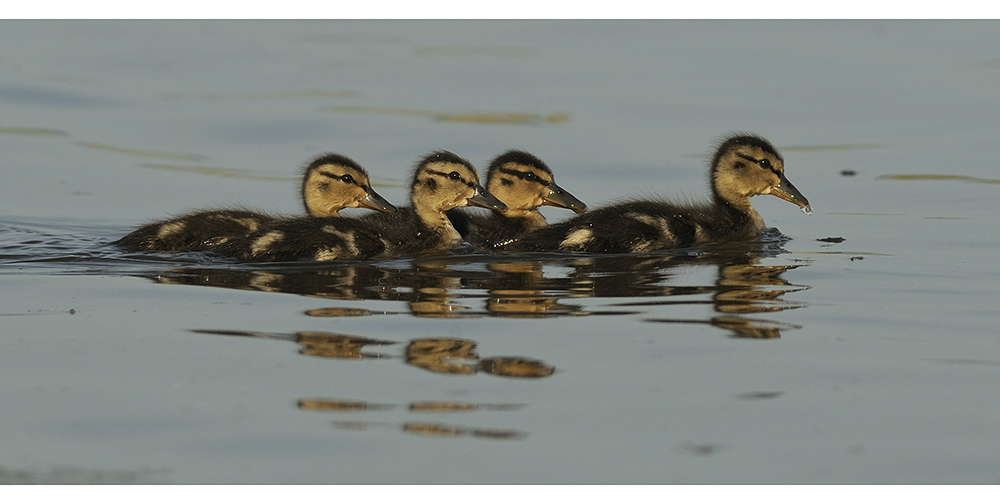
<point>518,157</point>
<point>440,157</point>
<point>743,140</point>
<point>335,159</point>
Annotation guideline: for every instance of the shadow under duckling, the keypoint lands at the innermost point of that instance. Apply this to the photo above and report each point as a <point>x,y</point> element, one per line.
<point>331,183</point>
<point>743,166</point>
<point>441,181</point>
<point>524,183</point>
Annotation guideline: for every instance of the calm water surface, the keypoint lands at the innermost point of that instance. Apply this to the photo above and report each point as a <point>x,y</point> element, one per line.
<point>859,344</point>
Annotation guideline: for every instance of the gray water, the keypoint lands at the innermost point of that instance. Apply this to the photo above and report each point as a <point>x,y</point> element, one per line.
<point>855,345</point>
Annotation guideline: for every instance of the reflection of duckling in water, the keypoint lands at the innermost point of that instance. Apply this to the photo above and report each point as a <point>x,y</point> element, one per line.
<point>743,166</point>
<point>314,343</point>
<point>515,367</point>
<point>442,181</point>
<point>440,355</point>
<point>331,183</point>
<point>524,183</point>
<point>520,289</point>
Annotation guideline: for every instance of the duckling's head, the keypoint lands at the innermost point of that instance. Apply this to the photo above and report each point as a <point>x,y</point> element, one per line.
<point>524,183</point>
<point>748,165</point>
<point>333,182</point>
<point>443,181</point>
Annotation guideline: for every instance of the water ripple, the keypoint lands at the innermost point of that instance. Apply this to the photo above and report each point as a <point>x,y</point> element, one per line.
<point>461,284</point>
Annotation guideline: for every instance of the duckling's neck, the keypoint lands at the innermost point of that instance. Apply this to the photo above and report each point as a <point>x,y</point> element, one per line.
<point>436,220</point>
<point>532,219</point>
<point>316,207</point>
<point>735,199</point>
<point>741,209</point>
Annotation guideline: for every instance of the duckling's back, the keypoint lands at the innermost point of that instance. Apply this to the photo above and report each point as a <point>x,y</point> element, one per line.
<point>195,231</point>
<point>638,226</point>
<point>306,239</point>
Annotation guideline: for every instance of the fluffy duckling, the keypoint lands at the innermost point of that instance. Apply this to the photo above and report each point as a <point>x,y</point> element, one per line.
<point>524,183</point>
<point>331,183</point>
<point>442,181</point>
<point>743,166</point>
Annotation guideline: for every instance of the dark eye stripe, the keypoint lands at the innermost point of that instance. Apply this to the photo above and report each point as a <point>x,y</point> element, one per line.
<point>758,163</point>
<point>346,178</point>
<point>523,175</point>
<point>448,176</point>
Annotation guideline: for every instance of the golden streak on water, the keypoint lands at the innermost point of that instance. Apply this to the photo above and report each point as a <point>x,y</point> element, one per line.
<point>219,172</point>
<point>141,152</point>
<point>477,117</point>
<point>277,95</point>
<point>380,110</point>
<point>32,132</point>
<point>512,118</point>
<point>389,184</point>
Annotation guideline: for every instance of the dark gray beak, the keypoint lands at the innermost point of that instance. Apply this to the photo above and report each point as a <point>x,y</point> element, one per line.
<point>559,197</point>
<point>786,191</point>
<point>484,199</point>
<point>376,202</point>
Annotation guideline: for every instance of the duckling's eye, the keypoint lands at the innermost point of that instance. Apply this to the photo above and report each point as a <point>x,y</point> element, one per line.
<point>455,175</point>
<point>530,177</point>
<point>347,179</point>
<point>764,163</point>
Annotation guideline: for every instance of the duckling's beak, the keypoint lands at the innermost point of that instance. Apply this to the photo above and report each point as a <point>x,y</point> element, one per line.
<point>484,199</point>
<point>786,191</point>
<point>559,197</point>
<point>376,202</point>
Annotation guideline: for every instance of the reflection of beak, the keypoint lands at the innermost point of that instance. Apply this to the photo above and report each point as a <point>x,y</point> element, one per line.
<point>484,199</point>
<point>558,197</point>
<point>786,191</point>
<point>376,202</point>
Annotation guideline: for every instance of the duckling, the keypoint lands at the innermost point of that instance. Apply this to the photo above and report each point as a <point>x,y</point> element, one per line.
<point>524,183</point>
<point>331,182</point>
<point>441,181</point>
<point>743,166</point>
